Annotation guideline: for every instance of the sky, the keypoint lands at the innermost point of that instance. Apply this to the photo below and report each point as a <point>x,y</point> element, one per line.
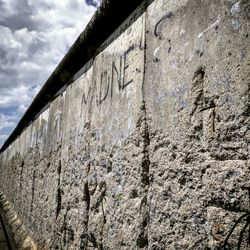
<point>34,37</point>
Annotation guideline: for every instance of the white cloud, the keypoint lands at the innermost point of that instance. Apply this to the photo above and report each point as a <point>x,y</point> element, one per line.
<point>7,121</point>
<point>34,36</point>
<point>3,137</point>
<point>20,95</point>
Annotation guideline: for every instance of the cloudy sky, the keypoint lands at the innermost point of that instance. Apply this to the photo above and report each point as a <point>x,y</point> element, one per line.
<point>34,36</point>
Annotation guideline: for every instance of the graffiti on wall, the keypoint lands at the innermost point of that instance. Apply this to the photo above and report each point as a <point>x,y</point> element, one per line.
<point>115,76</point>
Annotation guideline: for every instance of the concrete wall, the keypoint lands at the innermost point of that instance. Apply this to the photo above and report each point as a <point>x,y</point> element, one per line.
<point>149,148</point>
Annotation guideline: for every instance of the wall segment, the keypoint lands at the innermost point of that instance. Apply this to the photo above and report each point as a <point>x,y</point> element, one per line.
<point>148,148</point>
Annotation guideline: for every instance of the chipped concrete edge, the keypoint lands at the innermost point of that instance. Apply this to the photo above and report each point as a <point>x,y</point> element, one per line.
<point>21,235</point>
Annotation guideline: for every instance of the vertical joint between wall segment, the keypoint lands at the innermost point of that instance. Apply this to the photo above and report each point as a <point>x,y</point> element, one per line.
<point>142,239</point>
<point>143,46</point>
<point>86,197</point>
<point>33,190</point>
<point>59,192</point>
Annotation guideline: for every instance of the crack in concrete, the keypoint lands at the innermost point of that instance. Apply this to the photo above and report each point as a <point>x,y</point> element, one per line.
<point>33,190</point>
<point>59,192</point>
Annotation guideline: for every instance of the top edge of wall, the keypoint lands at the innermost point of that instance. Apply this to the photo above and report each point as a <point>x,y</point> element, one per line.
<point>107,18</point>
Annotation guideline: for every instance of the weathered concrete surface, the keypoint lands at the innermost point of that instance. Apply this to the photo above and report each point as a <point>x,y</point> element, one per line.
<point>197,93</point>
<point>149,148</point>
